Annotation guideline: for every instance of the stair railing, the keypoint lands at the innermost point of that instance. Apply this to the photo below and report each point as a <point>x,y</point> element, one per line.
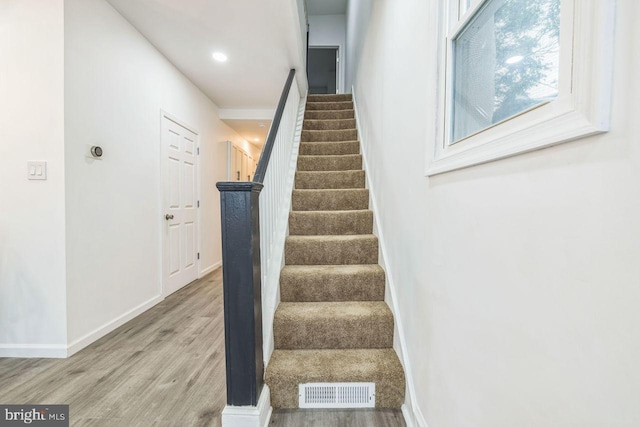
<point>254,221</point>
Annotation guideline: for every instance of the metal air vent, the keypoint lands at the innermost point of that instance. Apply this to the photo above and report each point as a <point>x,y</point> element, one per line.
<point>337,395</point>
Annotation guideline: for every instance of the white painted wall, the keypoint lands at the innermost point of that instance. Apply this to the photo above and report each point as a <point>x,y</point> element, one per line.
<point>116,84</point>
<point>518,281</point>
<point>32,219</point>
<point>330,30</point>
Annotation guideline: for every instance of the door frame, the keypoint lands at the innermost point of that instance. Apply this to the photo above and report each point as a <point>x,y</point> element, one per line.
<point>165,115</point>
<point>338,62</point>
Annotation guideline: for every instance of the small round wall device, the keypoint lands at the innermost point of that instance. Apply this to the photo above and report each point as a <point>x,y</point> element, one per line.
<point>96,151</point>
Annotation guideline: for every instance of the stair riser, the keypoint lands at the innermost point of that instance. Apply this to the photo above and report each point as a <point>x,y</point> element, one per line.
<point>330,163</point>
<point>322,333</point>
<point>329,135</point>
<point>329,180</point>
<point>329,124</point>
<point>328,114</point>
<point>330,98</point>
<point>366,285</point>
<point>286,394</point>
<point>382,367</point>
<point>329,148</point>
<point>330,200</point>
<point>331,252</point>
<point>347,105</point>
<point>329,223</point>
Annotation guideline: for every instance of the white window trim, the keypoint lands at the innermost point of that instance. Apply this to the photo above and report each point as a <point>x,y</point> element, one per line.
<point>584,96</point>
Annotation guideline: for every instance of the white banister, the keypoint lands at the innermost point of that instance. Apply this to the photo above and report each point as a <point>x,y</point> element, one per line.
<point>275,204</point>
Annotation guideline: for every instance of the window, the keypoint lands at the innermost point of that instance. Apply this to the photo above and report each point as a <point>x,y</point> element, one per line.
<point>520,75</point>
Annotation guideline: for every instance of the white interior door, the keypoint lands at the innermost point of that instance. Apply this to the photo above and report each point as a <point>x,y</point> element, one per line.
<point>180,215</point>
<point>238,165</point>
<point>245,166</point>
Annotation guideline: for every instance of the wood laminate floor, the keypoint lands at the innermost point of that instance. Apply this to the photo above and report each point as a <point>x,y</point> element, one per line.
<point>166,367</point>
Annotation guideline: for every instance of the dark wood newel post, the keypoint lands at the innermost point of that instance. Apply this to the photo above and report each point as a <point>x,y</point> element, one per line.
<point>241,275</point>
<point>242,294</point>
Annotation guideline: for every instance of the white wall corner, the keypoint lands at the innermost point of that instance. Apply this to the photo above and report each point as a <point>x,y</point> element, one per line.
<point>209,269</point>
<point>410,409</point>
<point>249,416</point>
<point>112,325</point>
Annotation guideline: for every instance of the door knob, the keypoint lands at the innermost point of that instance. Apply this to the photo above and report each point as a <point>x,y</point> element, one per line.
<point>168,217</point>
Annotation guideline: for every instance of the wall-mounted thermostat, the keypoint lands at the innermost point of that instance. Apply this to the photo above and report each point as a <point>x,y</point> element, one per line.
<point>95,152</point>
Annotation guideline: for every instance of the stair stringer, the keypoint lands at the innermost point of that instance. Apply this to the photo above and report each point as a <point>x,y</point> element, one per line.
<point>410,410</point>
<point>271,282</point>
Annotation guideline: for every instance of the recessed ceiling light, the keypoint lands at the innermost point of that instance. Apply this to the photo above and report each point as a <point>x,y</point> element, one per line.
<point>220,57</point>
<point>514,59</point>
<point>261,125</point>
<point>256,139</point>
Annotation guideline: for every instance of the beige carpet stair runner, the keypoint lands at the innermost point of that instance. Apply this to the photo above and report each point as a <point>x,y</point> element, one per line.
<point>332,324</point>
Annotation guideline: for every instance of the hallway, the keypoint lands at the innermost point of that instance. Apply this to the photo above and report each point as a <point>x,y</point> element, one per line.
<point>166,367</point>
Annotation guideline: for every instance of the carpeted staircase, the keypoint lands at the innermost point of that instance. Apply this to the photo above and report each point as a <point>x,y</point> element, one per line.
<point>332,324</point>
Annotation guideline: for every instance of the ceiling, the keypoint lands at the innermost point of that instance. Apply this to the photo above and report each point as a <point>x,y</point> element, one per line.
<point>326,7</point>
<point>258,36</point>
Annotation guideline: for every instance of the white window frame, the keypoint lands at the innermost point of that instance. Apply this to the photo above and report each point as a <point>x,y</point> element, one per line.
<point>581,109</point>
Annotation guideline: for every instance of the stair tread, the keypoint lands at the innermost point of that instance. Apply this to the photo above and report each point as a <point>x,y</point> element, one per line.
<point>310,180</point>
<point>349,282</point>
<point>347,113</point>
<point>333,324</point>
<point>334,190</point>
<point>329,156</point>
<point>329,120</point>
<point>327,148</point>
<point>331,111</point>
<point>329,199</point>
<point>311,135</point>
<point>348,269</point>
<point>329,162</point>
<point>313,362</point>
<point>329,97</point>
<point>315,131</point>
<point>329,124</point>
<point>333,237</point>
<point>331,310</point>
<point>288,368</point>
<point>329,142</point>
<point>331,222</point>
<point>336,211</point>
<point>331,249</point>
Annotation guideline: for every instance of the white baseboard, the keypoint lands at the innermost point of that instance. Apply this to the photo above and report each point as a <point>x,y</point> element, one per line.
<point>410,409</point>
<point>103,330</point>
<point>209,269</point>
<point>62,351</point>
<point>53,351</point>
<point>249,416</point>
<point>413,417</point>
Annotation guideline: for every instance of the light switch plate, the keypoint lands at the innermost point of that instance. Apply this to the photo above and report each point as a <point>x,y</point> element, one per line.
<point>36,170</point>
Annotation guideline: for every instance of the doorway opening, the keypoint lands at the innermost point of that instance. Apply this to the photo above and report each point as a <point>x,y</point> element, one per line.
<point>322,71</point>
